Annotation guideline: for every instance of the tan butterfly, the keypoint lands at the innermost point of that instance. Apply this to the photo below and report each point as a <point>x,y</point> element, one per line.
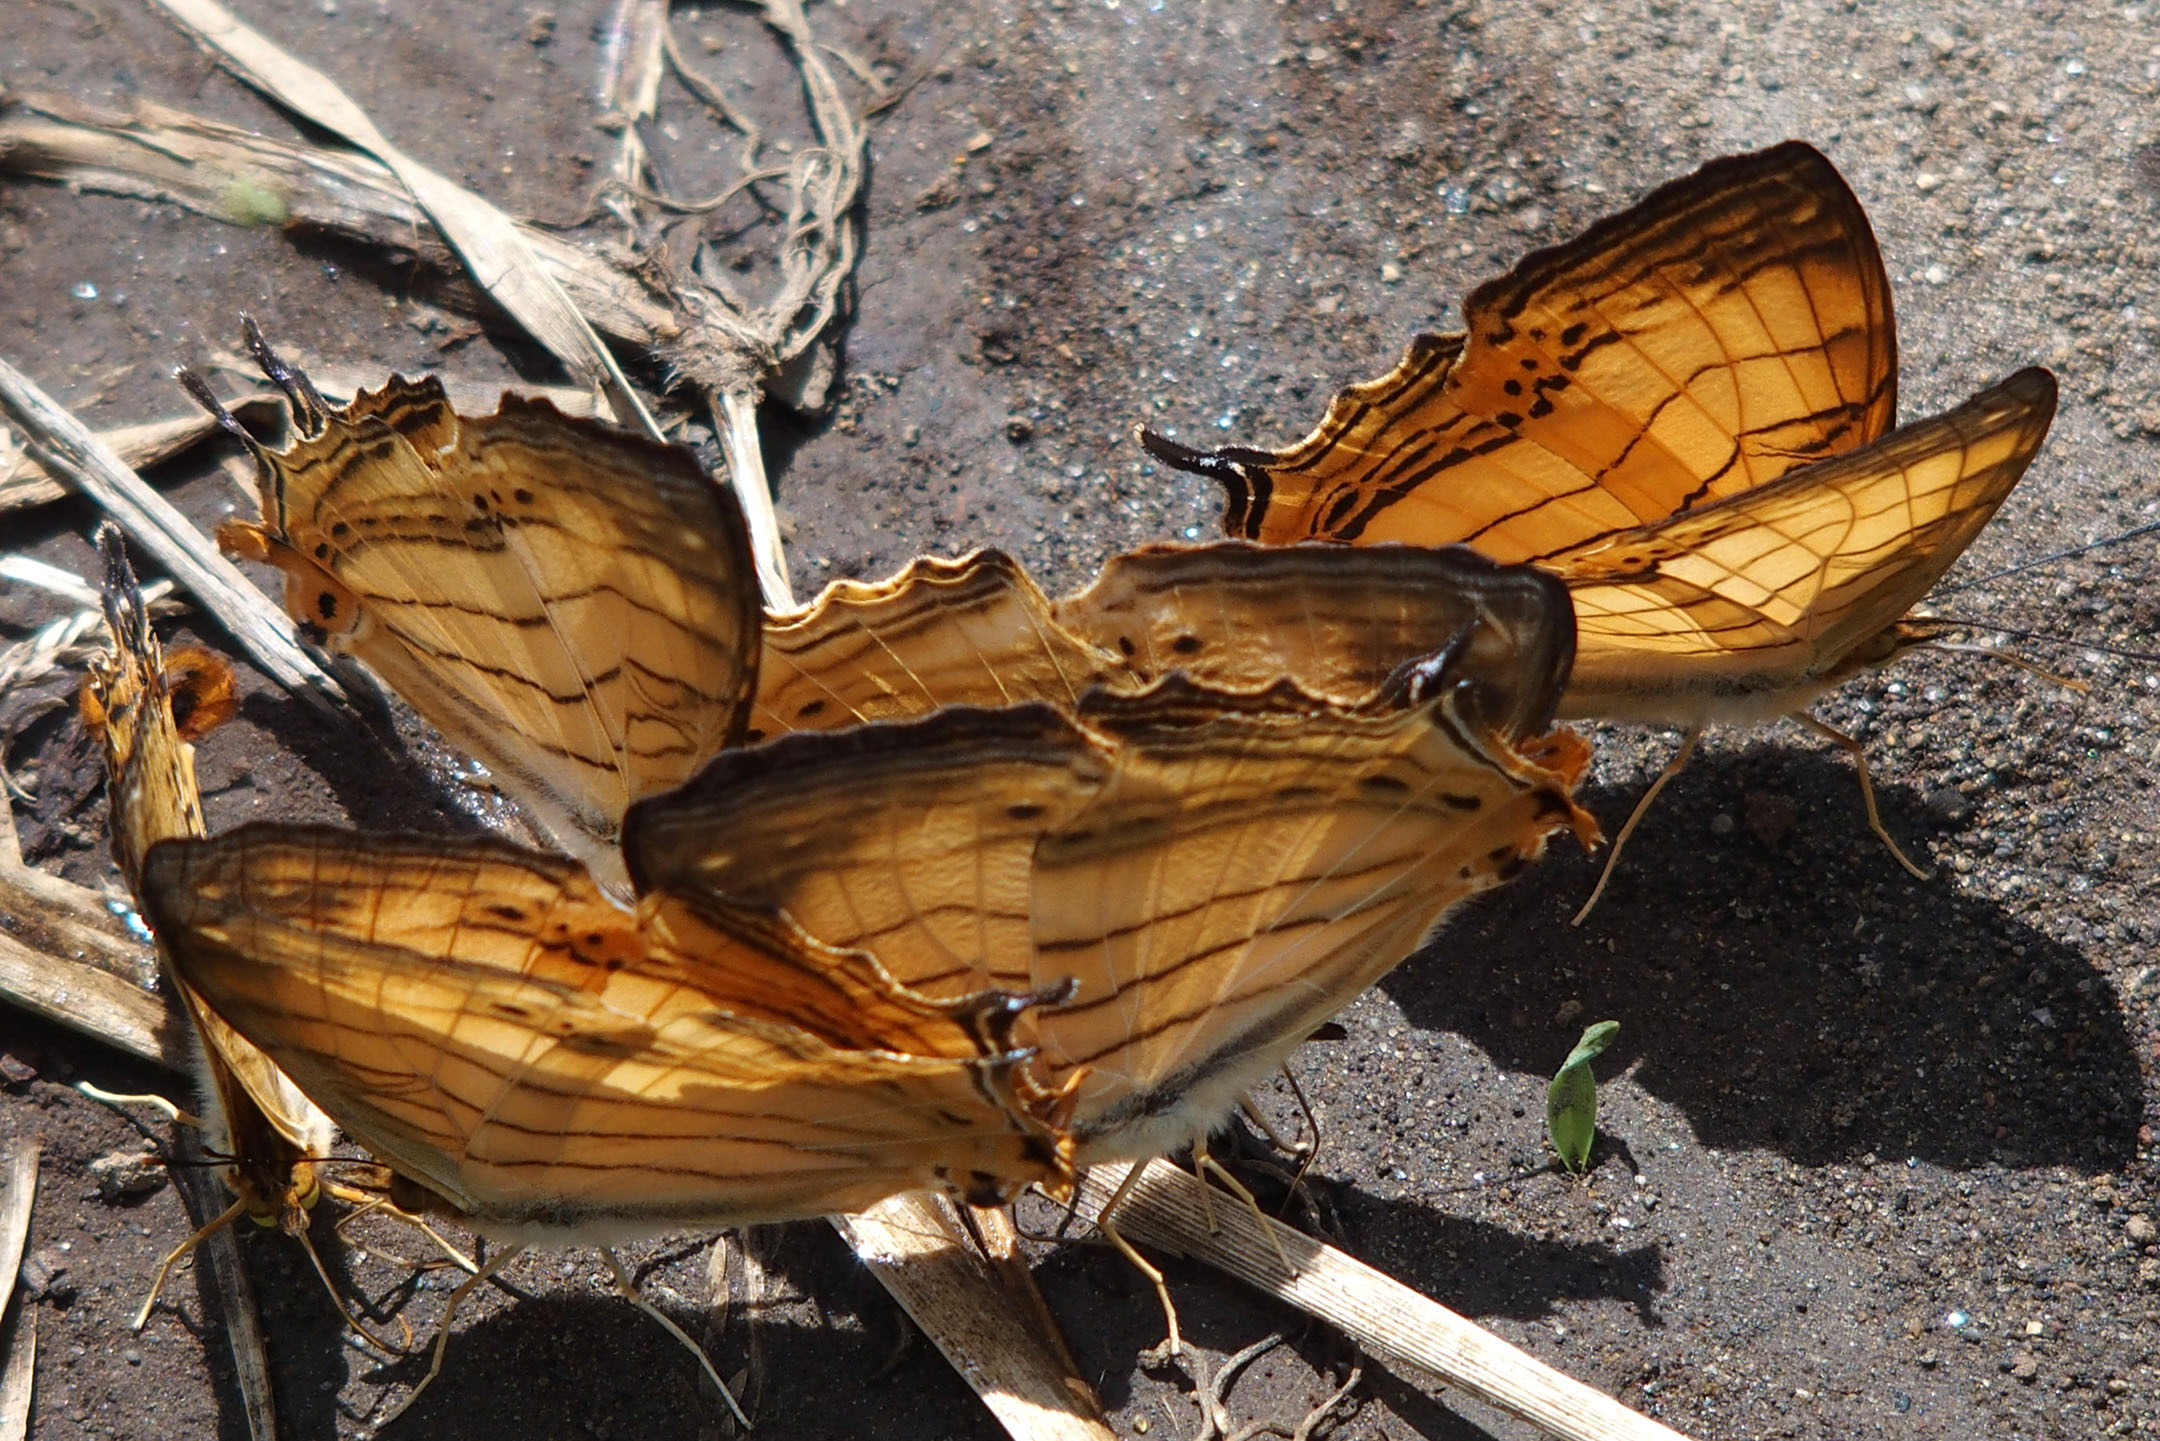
<point>1683,414</point>
<point>556,1066</point>
<point>1231,615</point>
<point>1219,871</point>
<point>572,604</point>
<point>145,705</point>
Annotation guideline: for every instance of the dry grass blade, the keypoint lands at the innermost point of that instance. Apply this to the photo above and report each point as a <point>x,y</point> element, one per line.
<point>220,1250</point>
<point>171,157</point>
<point>490,242</point>
<point>86,999</point>
<point>917,1246</point>
<point>15,1381</point>
<point>63,444</point>
<point>22,1172</point>
<point>26,483</point>
<point>1168,1209</point>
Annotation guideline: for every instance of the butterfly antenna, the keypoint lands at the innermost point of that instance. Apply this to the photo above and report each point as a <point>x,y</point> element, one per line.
<point>314,411</point>
<point>1938,624</point>
<point>628,1288</point>
<point>1672,768</point>
<point>2074,551</point>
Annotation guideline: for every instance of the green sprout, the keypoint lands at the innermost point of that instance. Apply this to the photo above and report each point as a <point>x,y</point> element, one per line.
<point>1571,1100</point>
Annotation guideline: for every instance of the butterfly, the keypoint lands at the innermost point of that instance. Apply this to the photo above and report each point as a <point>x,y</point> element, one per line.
<point>145,706</point>
<point>1685,414</point>
<point>554,1065</point>
<point>1229,615</point>
<point>1219,871</point>
<point>573,605</point>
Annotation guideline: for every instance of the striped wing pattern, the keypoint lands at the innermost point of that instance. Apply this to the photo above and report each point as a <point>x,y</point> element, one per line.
<point>1786,588</point>
<point>1218,872</point>
<point>256,1116</point>
<point>572,605</point>
<point>1231,615</point>
<point>498,1028</point>
<point>1732,326</point>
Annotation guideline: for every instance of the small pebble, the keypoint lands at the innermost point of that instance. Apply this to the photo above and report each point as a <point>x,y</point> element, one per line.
<point>122,1174</point>
<point>2140,1229</point>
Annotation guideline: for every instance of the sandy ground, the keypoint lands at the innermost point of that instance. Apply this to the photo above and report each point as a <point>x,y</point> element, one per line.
<point>1879,1157</point>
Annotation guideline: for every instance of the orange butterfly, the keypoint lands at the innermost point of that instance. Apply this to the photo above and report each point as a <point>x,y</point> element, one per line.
<point>590,638</point>
<point>1684,413</point>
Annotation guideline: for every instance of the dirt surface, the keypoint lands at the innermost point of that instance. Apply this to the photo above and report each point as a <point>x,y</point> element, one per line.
<point>1879,1157</point>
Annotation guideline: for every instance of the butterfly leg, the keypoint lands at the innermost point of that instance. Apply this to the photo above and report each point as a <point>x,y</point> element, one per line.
<point>223,1219</point>
<point>1204,1166</point>
<point>322,1272</point>
<point>365,1203</point>
<point>1174,1345</point>
<point>118,1100</point>
<point>1867,786</point>
<point>442,1330</point>
<point>629,1291</point>
<point>1672,768</point>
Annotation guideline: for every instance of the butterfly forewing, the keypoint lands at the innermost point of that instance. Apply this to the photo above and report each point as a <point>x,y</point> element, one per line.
<point>495,1026</point>
<point>1730,327</point>
<point>573,605</point>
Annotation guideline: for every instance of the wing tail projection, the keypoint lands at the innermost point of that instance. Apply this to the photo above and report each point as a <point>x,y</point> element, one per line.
<point>573,605</point>
<point>1777,589</point>
<point>497,1028</point>
<point>1217,871</point>
<point>1729,327</point>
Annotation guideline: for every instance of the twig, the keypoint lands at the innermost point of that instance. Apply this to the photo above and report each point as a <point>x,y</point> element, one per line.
<point>235,1296</point>
<point>489,241</point>
<point>916,1246</point>
<point>16,1380</point>
<point>1166,1209</point>
<point>138,447</point>
<point>67,448</point>
<point>171,157</point>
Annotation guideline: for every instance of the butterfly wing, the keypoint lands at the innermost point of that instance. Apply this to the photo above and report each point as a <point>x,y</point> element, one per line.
<point>973,631</point>
<point>496,1027</point>
<point>256,1116</point>
<point>1339,625</point>
<point>1232,615</point>
<point>1740,609</point>
<point>573,605</point>
<point>1731,326</point>
<point>1219,872</point>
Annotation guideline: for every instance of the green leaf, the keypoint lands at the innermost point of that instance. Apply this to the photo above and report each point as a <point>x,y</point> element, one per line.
<point>1571,1100</point>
